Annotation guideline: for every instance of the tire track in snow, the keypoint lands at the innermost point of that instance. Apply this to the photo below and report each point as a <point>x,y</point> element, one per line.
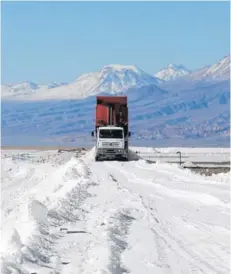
<point>181,252</point>
<point>170,245</point>
<point>73,207</point>
<point>111,218</point>
<point>106,222</point>
<point>162,248</point>
<point>117,235</point>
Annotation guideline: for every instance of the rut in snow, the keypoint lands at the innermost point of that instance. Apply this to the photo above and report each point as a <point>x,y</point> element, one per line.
<point>118,244</point>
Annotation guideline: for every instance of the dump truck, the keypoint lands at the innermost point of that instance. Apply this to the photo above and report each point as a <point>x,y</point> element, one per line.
<point>111,128</point>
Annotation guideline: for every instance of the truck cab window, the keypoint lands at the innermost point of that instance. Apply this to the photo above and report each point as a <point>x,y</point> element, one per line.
<point>110,133</point>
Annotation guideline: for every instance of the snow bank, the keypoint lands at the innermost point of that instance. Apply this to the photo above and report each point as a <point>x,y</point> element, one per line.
<point>221,177</point>
<point>36,194</point>
<point>24,241</point>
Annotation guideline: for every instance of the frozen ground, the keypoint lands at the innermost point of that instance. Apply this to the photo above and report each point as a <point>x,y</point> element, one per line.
<point>68,214</point>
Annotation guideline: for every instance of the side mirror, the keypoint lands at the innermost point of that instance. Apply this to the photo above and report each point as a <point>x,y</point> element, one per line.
<point>129,134</point>
<point>92,133</point>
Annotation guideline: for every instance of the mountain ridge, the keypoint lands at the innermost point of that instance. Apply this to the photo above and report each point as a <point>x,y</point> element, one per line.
<point>116,79</point>
<point>112,79</point>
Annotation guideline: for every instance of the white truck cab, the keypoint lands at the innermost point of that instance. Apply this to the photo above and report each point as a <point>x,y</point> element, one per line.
<point>110,143</point>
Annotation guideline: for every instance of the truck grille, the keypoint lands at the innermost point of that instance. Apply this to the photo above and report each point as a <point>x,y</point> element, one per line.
<point>110,144</point>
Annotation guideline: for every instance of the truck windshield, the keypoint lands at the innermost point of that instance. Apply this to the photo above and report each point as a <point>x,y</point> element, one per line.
<point>111,133</point>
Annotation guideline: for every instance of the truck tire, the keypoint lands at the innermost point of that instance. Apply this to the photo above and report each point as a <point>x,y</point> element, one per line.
<point>124,159</point>
<point>97,159</point>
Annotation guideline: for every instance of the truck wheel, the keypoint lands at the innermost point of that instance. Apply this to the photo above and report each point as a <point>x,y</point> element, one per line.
<point>97,159</point>
<point>124,159</point>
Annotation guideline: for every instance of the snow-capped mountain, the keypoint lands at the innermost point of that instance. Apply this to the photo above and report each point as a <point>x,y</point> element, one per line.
<point>22,88</point>
<point>172,72</point>
<point>219,71</point>
<point>204,77</point>
<point>111,79</point>
<point>115,79</point>
<point>26,89</point>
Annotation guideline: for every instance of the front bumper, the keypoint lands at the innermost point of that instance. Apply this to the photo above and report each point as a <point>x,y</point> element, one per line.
<point>111,153</point>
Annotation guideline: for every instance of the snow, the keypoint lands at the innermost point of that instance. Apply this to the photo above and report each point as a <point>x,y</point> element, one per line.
<point>112,79</point>
<point>217,72</point>
<point>25,89</point>
<point>118,67</point>
<point>63,212</point>
<point>189,150</point>
<point>189,164</point>
<point>191,157</point>
<point>172,72</point>
<point>222,177</point>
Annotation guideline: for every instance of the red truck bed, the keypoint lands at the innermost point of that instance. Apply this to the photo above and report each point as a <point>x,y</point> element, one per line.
<point>111,99</point>
<point>111,110</point>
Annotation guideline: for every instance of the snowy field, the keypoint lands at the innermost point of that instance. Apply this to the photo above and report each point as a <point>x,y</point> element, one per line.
<point>201,156</point>
<point>65,213</point>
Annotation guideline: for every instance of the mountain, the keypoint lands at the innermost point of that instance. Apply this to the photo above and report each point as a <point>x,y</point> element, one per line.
<point>219,71</point>
<point>111,79</point>
<point>204,77</point>
<point>22,88</point>
<point>116,79</point>
<point>192,117</point>
<point>172,72</point>
<point>190,110</point>
<point>26,89</point>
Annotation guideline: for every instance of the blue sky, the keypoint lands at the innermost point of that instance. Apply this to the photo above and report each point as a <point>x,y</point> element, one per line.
<point>58,41</point>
